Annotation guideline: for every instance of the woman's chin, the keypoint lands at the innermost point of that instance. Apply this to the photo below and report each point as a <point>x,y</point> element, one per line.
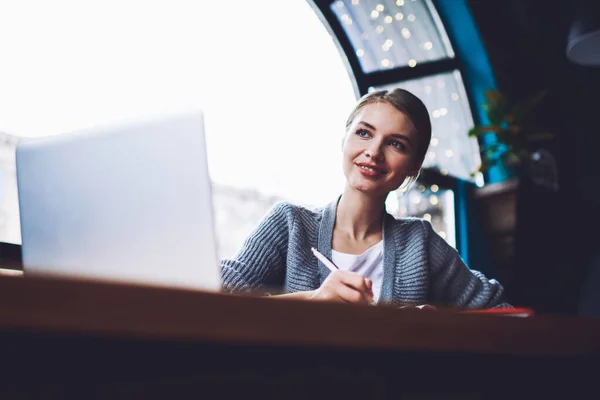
<point>368,188</point>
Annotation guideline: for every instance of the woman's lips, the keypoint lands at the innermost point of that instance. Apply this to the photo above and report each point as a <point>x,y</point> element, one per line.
<point>369,171</point>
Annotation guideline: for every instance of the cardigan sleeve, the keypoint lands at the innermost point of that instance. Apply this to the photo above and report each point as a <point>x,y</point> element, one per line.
<point>453,284</point>
<point>261,261</point>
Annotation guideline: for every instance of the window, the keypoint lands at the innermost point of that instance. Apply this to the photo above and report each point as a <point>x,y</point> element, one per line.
<point>276,101</point>
<point>392,33</point>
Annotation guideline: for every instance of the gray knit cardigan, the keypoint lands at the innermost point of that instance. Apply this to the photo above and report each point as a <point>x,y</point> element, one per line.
<point>418,265</point>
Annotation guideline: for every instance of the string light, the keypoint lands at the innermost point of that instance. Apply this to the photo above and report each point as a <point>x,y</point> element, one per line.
<point>411,17</point>
<point>385,62</point>
<point>386,46</point>
<point>433,199</point>
<point>388,19</point>
<point>479,179</point>
<point>434,188</point>
<point>374,14</point>
<point>399,3</point>
<point>379,29</point>
<point>454,96</point>
<point>412,62</point>
<point>360,52</point>
<point>355,2</point>
<point>427,217</point>
<point>434,142</point>
<point>405,33</point>
<point>428,45</point>
<point>399,16</point>
<point>379,7</point>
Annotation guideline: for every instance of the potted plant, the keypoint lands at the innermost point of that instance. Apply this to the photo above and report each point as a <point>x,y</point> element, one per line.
<point>512,139</point>
<point>518,137</point>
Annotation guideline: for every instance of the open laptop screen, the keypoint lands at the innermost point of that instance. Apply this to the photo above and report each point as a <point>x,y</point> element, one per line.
<point>128,203</point>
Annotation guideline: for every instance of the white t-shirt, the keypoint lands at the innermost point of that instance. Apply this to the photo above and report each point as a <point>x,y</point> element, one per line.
<point>369,264</point>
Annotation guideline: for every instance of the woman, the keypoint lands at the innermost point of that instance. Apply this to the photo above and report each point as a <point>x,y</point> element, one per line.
<point>381,259</point>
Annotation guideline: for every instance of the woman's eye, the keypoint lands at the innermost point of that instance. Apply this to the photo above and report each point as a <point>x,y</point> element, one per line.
<point>363,133</point>
<point>398,145</point>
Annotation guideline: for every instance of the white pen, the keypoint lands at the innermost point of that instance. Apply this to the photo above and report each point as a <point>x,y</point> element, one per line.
<point>332,267</point>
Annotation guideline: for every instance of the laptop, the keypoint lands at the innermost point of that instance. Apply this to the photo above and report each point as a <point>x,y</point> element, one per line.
<point>129,203</point>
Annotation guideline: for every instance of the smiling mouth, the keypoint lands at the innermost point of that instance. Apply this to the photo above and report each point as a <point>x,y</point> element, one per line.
<point>370,169</point>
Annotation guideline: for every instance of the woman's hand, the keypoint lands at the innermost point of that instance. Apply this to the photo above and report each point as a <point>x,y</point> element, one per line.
<point>345,286</point>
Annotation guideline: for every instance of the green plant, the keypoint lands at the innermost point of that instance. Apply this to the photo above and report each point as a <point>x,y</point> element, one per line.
<point>516,132</point>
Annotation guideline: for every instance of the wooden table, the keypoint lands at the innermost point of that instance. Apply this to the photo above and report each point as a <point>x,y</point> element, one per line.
<point>83,339</point>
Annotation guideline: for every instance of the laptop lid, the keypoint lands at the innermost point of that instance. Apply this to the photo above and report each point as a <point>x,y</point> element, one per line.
<point>129,203</point>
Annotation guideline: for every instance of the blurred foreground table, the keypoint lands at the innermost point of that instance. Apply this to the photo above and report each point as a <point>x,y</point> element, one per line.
<point>84,339</point>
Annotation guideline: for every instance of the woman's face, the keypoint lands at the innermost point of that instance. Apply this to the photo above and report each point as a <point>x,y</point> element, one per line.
<point>380,149</point>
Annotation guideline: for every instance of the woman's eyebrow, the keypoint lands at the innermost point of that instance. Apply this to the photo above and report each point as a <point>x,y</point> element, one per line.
<point>368,125</point>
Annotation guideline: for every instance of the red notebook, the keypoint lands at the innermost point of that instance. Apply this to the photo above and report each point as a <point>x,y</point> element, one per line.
<point>522,312</point>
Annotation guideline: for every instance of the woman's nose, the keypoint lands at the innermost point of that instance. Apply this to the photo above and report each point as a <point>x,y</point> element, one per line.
<point>373,151</point>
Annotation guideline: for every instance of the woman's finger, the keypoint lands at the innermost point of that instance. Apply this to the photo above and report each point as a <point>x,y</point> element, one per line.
<point>350,295</point>
<point>356,285</point>
<point>354,280</point>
